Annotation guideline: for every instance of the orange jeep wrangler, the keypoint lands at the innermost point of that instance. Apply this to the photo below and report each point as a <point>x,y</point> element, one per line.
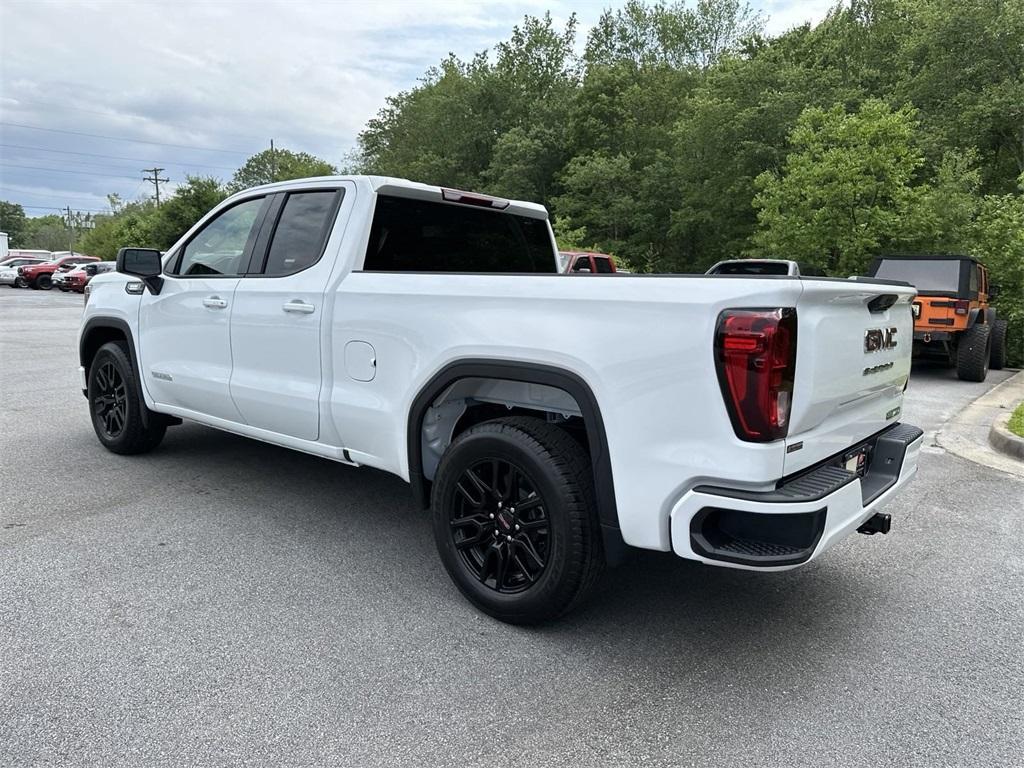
<point>953,319</point>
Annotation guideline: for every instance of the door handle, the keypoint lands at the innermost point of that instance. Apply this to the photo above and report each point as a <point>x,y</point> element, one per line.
<point>214,302</point>
<point>299,306</point>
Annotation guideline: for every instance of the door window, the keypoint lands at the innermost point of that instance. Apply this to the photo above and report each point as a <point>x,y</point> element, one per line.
<point>582,263</point>
<point>604,266</point>
<point>301,232</point>
<point>218,248</point>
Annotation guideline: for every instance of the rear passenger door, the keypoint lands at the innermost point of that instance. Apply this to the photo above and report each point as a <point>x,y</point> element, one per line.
<point>277,315</point>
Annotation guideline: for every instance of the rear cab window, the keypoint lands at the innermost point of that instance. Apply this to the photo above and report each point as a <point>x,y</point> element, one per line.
<point>411,235</point>
<point>301,232</point>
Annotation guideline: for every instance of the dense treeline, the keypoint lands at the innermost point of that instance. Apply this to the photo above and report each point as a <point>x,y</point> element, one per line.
<point>684,135</point>
<point>675,136</point>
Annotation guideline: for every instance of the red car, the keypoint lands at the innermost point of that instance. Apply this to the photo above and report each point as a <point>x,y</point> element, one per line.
<point>79,277</point>
<point>40,276</point>
<point>585,261</point>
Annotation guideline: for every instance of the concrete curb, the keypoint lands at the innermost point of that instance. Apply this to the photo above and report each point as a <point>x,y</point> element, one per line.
<point>1003,440</point>
<point>968,434</point>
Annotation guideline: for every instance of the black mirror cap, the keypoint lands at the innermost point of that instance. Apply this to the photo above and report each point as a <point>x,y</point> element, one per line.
<point>140,262</point>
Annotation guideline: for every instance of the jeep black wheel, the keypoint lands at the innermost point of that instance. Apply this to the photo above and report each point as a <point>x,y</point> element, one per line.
<point>19,282</point>
<point>997,360</point>
<point>43,283</point>
<point>972,352</point>
<point>514,520</point>
<point>115,406</point>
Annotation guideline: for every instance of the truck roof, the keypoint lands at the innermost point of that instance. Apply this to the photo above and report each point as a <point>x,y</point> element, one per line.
<point>390,185</point>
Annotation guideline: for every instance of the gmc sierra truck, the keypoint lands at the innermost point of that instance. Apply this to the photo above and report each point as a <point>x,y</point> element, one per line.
<point>549,423</point>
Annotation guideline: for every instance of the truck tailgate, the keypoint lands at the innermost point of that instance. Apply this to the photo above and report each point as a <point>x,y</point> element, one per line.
<point>854,344</point>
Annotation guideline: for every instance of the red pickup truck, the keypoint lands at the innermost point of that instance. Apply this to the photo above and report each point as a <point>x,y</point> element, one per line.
<point>40,276</point>
<point>585,261</point>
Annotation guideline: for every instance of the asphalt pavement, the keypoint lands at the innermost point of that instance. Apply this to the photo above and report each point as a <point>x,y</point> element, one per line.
<point>225,602</point>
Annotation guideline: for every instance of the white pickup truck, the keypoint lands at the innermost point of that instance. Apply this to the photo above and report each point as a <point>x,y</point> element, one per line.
<point>550,423</point>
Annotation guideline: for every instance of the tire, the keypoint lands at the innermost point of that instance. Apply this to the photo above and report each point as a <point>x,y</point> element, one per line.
<point>43,283</point>
<point>997,359</point>
<point>973,352</point>
<point>554,559</point>
<point>19,282</point>
<point>115,406</point>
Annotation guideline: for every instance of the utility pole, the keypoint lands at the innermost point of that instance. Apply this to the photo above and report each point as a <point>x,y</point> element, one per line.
<point>155,180</point>
<point>273,162</point>
<point>71,230</point>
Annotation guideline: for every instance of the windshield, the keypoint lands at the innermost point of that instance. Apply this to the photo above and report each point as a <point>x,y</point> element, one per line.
<point>924,274</point>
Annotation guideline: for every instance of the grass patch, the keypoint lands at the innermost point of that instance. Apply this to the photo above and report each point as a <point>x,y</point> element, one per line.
<point>1016,424</point>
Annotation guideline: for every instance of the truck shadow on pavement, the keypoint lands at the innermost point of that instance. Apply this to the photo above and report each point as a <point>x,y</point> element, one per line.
<point>660,606</point>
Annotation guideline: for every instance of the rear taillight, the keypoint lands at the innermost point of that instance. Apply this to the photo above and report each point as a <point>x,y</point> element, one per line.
<point>961,307</point>
<point>755,351</point>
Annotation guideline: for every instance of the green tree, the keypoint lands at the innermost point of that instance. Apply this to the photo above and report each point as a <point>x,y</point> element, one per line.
<point>131,225</point>
<point>50,232</point>
<point>842,191</point>
<point>997,239</point>
<point>278,165</point>
<point>190,202</point>
<point>13,222</point>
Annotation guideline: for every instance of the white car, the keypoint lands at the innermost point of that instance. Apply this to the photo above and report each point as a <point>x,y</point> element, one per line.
<point>9,267</point>
<point>549,423</point>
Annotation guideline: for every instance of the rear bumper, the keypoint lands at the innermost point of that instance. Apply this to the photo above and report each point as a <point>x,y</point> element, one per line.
<point>801,518</point>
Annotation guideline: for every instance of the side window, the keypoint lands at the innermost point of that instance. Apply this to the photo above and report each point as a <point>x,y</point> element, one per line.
<point>603,265</point>
<point>974,278</point>
<point>302,231</point>
<point>423,236</point>
<point>217,248</point>
<point>582,263</point>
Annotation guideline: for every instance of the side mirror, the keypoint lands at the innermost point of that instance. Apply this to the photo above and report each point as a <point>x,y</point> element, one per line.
<point>144,263</point>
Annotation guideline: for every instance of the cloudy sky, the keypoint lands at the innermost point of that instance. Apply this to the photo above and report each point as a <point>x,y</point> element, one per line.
<point>93,92</point>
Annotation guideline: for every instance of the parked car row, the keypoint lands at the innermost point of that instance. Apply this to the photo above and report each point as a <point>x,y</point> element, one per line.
<point>42,273</point>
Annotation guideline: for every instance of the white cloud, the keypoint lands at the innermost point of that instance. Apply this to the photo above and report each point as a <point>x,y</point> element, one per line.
<point>223,75</point>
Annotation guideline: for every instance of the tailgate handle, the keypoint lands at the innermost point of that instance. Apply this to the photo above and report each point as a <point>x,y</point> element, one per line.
<point>882,302</point>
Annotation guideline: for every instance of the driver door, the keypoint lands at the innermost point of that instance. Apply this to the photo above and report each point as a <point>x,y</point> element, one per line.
<point>186,353</point>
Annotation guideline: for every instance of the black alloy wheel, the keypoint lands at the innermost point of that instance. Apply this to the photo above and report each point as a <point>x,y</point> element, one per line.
<point>499,525</point>
<point>110,400</point>
<point>515,519</point>
<point>120,418</point>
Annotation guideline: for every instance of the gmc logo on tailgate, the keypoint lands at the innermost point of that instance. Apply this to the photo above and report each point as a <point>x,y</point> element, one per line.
<point>879,339</point>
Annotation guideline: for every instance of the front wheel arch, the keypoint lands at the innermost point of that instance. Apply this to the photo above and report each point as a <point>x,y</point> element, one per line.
<point>100,330</point>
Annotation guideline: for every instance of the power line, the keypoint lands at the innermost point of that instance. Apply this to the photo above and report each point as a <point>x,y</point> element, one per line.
<point>58,208</point>
<point>120,115</point>
<point>115,157</point>
<point>52,195</point>
<point>122,138</point>
<point>62,170</point>
<point>155,181</point>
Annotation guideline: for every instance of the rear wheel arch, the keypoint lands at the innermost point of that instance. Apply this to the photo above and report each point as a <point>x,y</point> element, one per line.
<point>530,373</point>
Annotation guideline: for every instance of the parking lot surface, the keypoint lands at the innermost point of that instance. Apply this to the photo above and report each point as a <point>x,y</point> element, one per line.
<point>225,602</point>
